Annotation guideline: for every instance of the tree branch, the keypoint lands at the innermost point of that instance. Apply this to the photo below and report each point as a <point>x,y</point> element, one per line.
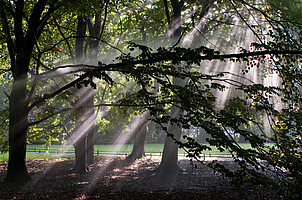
<point>121,67</point>
<point>10,42</point>
<point>97,38</point>
<point>18,23</point>
<point>67,41</point>
<point>105,18</point>
<point>167,12</point>
<point>65,87</point>
<point>97,105</point>
<point>248,25</point>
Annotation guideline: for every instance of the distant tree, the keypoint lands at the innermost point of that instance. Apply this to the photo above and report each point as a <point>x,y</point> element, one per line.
<point>138,150</point>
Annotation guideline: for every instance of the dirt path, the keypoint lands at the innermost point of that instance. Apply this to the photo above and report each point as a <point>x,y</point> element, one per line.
<point>111,179</point>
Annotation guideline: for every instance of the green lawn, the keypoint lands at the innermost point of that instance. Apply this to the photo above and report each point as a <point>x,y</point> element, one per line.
<point>35,156</point>
<point>39,152</point>
<point>106,149</point>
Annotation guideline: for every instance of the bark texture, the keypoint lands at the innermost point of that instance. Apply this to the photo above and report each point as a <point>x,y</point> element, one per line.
<point>80,149</point>
<point>84,128</point>
<point>18,121</point>
<point>169,163</point>
<point>80,135</point>
<point>138,150</point>
<point>21,42</point>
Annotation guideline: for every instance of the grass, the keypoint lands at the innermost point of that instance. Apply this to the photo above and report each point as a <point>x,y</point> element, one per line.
<point>39,152</point>
<point>106,149</point>
<point>36,156</point>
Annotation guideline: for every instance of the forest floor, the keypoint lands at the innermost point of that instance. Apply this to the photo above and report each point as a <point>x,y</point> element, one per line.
<point>110,178</point>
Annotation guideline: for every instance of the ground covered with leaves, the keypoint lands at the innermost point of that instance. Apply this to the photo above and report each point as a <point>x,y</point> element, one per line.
<point>111,178</point>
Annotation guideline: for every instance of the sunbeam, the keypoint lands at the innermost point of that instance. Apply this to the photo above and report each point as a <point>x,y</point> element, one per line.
<point>122,139</point>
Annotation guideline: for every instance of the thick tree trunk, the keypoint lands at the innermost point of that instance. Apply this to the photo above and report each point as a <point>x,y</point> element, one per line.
<point>18,117</point>
<point>20,48</point>
<point>90,147</point>
<point>94,31</point>
<point>176,18</point>
<point>18,124</point>
<point>169,163</point>
<point>80,156</point>
<point>80,145</point>
<point>84,141</point>
<point>84,135</point>
<point>90,115</point>
<point>79,44</point>
<point>84,146</point>
<point>138,150</point>
<point>80,135</point>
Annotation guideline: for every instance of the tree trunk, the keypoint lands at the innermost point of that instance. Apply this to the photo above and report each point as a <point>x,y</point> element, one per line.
<point>84,145</point>
<point>20,46</point>
<point>80,145</point>
<point>80,135</point>
<point>84,142</point>
<point>90,115</point>
<point>169,163</point>
<point>79,44</point>
<point>90,147</point>
<point>18,125</point>
<point>94,31</point>
<point>80,156</point>
<point>138,150</point>
<point>176,18</point>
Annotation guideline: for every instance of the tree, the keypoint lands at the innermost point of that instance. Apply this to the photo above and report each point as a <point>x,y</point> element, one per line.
<point>21,37</point>
<point>138,150</point>
<point>169,162</point>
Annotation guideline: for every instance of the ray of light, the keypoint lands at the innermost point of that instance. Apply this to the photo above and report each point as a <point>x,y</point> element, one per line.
<point>122,139</point>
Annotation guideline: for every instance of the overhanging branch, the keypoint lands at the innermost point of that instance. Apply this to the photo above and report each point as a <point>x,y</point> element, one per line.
<point>124,65</point>
<point>98,105</point>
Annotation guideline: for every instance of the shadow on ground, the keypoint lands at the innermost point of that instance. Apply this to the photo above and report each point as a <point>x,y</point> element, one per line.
<point>111,178</point>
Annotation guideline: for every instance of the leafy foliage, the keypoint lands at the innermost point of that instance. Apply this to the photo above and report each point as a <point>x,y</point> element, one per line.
<point>197,100</point>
